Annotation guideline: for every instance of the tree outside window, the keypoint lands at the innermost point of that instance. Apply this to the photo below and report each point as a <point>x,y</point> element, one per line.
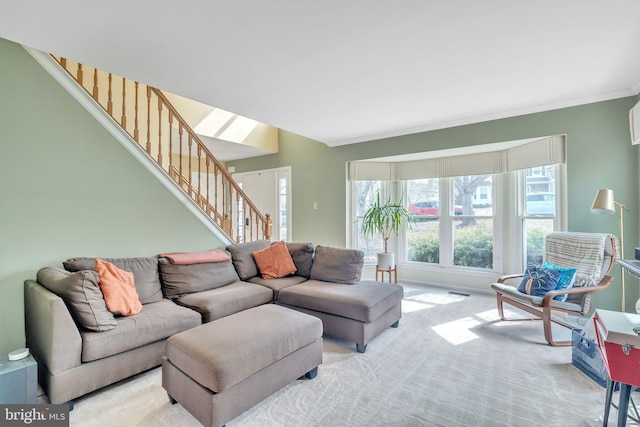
<point>473,230</point>
<point>466,227</point>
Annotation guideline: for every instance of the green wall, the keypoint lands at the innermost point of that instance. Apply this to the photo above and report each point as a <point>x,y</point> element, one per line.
<point>69,189</point>
<point>599,154</point>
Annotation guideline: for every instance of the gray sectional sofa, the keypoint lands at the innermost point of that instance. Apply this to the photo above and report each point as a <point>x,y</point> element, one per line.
<point>80,346</point>
<point>358,312</point>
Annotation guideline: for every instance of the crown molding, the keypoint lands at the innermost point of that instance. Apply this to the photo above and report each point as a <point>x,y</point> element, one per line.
<point>489,117</point>
<point>636,85</point>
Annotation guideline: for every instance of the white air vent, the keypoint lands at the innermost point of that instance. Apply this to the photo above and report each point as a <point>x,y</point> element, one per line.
<point>634,124</point>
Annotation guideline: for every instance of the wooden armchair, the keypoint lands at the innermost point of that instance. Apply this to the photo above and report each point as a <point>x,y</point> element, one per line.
<point>593,256</point>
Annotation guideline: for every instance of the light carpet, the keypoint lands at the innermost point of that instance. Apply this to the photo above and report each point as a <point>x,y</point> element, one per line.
<point>450,363</point>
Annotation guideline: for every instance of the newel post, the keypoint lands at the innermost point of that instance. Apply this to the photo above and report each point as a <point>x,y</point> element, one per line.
<point>268,227</point>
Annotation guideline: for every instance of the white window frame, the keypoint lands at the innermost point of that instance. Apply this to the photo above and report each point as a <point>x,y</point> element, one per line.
<point>508,191</point>
<point>386,190</point>
<point>446,232</point>
<point>517,259</point>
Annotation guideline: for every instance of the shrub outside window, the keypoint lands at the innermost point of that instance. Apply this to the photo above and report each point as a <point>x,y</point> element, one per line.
<point>468,221</point>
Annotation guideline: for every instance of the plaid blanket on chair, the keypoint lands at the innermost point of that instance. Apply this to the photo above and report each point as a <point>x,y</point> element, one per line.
<point>583,251</point>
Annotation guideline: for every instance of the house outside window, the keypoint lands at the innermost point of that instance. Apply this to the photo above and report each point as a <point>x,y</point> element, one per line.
<point>540,211</point>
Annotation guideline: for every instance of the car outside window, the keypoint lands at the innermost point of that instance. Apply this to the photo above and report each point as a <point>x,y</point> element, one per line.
<point>541,204</point>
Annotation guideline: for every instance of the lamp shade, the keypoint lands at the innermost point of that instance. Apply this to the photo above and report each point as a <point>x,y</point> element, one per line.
<point>604,202</point>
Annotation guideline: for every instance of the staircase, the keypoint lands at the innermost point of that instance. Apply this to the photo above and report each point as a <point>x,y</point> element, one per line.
<point>148,117</point>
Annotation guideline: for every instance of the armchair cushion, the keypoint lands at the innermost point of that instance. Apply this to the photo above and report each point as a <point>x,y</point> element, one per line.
<point>513,293</point>
<point>537,281</point>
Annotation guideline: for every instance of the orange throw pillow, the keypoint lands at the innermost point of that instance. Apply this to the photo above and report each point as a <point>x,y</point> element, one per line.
<point>274,261</point>
<point>118,288</point>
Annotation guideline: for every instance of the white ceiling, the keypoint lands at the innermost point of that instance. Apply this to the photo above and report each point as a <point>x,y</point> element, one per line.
<point>341,71</point>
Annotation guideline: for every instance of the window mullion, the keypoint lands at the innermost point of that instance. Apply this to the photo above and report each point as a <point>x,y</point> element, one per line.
<point>446,223</point>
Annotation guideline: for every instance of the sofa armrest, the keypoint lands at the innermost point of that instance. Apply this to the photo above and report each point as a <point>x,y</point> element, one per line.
<point>52,335</point>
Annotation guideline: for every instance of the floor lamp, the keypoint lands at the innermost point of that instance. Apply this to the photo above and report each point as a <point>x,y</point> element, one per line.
<point>604,203</point>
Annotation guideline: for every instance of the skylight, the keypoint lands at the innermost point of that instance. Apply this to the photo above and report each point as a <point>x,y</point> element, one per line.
<point>227,126</point>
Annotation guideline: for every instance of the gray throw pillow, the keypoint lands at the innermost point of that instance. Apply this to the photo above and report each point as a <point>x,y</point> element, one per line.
<point>337,265</point>
<point>180,279</point>
<point>302,255</point>
<point>81,292</point>
<point>145,273</point>
<point>243,261</point>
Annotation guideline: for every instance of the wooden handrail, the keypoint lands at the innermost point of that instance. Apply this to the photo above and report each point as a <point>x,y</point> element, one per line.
<point>208,153</point>
<point>162,124</point>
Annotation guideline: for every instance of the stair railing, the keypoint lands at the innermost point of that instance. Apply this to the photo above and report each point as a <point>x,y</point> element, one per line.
<point>153,123</point>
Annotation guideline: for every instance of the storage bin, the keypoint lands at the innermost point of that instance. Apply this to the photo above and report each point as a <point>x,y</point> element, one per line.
<point>586,356</point>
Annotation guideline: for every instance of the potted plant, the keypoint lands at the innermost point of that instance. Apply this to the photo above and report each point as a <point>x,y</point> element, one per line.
<point>385,219</point>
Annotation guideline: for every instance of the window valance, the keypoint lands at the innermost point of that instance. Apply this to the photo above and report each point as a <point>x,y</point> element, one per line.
<point>541,152</point>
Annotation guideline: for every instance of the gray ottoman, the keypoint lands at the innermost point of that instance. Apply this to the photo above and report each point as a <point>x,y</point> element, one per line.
<point>222,368</point>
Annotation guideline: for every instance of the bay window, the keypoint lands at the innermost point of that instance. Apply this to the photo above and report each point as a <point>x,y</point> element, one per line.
<point>496,216</point>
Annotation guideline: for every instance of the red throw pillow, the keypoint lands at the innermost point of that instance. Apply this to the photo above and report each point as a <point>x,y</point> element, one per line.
<point>118,288</point>
<point>274,261</point>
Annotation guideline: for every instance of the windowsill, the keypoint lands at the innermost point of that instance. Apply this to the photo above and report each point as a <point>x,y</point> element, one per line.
<point>453,277</point>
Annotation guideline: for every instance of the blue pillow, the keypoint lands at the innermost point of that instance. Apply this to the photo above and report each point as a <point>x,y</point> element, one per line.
<point>537,281</point>
<point>567,276</point>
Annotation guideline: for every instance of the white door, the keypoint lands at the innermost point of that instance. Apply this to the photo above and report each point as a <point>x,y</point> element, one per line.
<point>270,191</point>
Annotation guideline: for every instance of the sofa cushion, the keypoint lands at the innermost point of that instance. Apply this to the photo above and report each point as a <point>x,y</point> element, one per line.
<point>81,292</point>
<point>118,288</point>
<point>364,301</point>
<point>302,255</point>
<point>180,279</point>
<point>243,261</point>
<point>223,301</point>
<point>145,273</point>
<point>275,261</point>
<point>156,321</point>
<point>337,265</point>
<point>276,285</point>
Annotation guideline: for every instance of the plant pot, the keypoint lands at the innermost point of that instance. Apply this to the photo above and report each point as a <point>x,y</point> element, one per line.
<point>385,260</point>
